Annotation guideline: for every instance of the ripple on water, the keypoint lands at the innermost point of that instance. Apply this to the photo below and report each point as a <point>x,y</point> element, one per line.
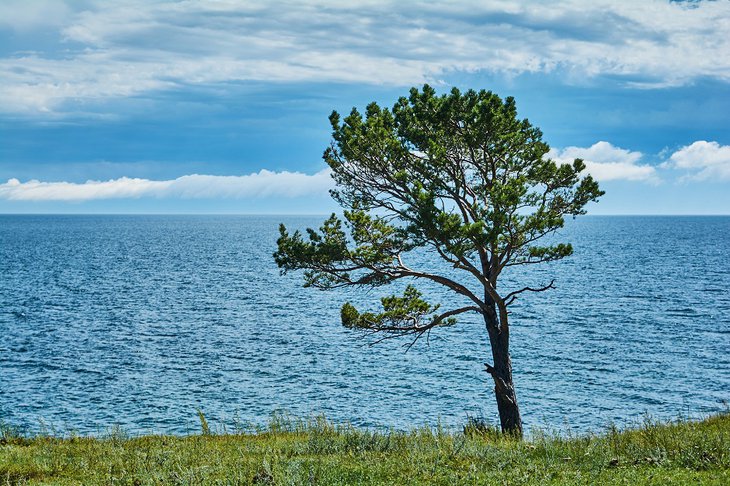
<point>140,320</point>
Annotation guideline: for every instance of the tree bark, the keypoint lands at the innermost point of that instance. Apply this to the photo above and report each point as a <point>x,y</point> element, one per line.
<point>504,391</point>
<point>501,372</point>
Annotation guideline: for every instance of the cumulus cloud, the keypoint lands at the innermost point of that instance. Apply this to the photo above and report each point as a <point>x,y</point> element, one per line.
<point>606,162</point>
<point>704,160</point>
<point>260,184</point>
<point>131,47</point>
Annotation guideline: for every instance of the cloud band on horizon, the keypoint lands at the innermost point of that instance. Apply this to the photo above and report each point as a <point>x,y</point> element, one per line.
<point>604,161</point>
<point>264,183</point>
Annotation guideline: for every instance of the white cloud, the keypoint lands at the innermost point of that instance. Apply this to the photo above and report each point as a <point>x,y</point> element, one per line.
<point>130,47</point>
<point>705,160</point>
<point>261,184</point>
<point>606,162</point>
<point>22,15</point>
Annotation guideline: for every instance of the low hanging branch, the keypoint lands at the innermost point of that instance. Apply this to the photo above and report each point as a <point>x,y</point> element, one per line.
<point>401,317</point>
<point>409,314</point>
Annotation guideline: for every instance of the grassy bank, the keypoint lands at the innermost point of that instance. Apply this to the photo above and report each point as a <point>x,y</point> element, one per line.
<point>316,452</point>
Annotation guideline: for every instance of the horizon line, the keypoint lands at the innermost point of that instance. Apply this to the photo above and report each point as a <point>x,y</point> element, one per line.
<point>334,212</point>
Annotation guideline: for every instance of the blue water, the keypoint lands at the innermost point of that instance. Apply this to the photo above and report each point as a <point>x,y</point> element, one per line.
<point>139,320</point>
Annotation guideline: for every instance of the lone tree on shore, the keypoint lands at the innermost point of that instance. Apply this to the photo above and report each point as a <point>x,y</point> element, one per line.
<point>458,175</point>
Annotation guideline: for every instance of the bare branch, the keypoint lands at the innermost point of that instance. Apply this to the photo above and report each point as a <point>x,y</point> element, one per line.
<point>509,298</point>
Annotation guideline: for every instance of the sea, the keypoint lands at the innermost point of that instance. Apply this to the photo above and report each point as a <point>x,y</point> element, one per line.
<point>139,322</point>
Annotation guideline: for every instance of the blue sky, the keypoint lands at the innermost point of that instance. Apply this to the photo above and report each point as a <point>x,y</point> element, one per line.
<point>221,106</point>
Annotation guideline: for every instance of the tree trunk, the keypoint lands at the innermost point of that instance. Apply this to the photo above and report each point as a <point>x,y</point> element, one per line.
<point>501,372</point>
<point>504,391</point>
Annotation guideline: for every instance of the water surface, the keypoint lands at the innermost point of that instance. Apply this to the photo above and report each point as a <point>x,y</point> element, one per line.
<point>139,320</point>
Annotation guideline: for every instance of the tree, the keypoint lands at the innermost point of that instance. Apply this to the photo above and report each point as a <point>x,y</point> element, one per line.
<point>459,175</point>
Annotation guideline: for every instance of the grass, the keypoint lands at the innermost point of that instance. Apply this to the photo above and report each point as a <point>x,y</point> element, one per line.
<point>316,451</point>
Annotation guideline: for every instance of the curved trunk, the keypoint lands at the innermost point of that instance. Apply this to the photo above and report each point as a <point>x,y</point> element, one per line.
<point>501,372</point>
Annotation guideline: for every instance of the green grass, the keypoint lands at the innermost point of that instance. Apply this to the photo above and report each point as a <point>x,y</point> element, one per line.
<point>318,452</point>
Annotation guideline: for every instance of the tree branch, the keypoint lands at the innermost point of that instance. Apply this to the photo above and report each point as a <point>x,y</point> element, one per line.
<point>510,298</point>
<point>393,331</point>
<point>447,282</point>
